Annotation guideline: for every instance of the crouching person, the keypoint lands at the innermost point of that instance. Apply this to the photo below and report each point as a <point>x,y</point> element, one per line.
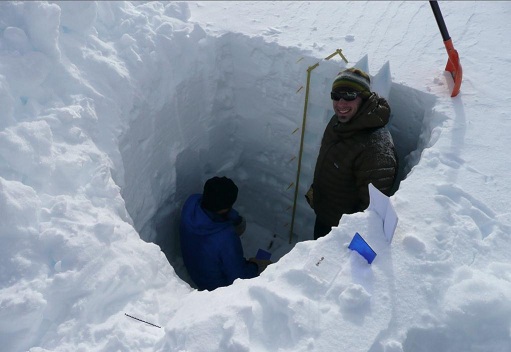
<point>210,242</point>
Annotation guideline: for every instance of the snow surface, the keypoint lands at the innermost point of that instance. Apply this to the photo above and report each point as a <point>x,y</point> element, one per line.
<point>114,112</point>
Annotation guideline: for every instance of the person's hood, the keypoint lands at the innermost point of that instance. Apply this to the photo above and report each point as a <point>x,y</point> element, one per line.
<point>198,220</point>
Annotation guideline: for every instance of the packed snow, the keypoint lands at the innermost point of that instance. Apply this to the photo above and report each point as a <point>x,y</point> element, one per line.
<point>114,112</point>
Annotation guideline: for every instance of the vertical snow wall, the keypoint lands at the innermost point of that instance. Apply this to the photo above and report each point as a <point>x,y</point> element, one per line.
<point>233,106</point>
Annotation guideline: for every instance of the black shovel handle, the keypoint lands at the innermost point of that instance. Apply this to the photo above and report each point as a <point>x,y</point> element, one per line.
<point>440,20</point>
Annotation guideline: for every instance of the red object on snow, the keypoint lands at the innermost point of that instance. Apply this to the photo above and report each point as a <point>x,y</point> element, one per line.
<point>453,61</point>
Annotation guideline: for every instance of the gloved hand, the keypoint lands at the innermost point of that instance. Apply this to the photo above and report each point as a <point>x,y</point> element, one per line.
<point>309,196</point>
<point>261,263</point>
<point>241,226</point>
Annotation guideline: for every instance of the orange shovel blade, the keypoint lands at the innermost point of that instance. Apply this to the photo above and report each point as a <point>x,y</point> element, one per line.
<point>454,67</point>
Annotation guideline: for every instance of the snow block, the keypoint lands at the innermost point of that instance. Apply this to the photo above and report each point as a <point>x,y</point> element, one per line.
<point>360,245</point>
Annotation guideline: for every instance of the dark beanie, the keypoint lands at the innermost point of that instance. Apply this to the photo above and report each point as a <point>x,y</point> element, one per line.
<point>352,79</point>
<point>219,193</point>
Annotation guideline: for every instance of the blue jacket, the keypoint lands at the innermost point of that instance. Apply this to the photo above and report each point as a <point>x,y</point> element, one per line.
<point>212,251</point>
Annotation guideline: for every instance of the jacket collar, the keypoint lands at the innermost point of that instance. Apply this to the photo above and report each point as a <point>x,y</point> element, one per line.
<point>373,113</point>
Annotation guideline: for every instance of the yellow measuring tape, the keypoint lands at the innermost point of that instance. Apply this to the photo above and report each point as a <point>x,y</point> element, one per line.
<point>309,70</point>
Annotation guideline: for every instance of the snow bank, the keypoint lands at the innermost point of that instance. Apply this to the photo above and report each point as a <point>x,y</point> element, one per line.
<point>113,112</point>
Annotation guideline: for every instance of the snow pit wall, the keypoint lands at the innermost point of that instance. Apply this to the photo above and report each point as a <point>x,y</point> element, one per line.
<point>235,108</point>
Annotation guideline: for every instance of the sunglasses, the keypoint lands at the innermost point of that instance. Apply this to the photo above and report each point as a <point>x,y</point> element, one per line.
<point>347,96</point>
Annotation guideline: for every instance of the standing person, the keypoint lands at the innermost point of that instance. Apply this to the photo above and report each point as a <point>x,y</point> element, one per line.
<point>210,242</point>
<point>356,149</point>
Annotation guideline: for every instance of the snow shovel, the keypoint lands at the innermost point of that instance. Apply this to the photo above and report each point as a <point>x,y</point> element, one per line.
<point>453,62</point>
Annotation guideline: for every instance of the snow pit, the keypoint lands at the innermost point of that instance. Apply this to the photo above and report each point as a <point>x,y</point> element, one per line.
<point>79,81</point>
<point>237,111</point>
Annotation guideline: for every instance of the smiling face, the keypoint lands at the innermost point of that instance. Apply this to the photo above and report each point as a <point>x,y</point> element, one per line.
<point>345,110</point>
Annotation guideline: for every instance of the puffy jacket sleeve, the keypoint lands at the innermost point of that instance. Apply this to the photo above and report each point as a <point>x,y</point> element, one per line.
<point>377,164</point>
<point>234,264</point>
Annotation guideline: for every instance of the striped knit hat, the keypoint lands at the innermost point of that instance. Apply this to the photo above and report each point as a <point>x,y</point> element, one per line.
<point>353,79</point>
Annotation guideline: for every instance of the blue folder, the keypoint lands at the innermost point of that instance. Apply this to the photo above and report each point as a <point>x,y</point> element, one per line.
<point>360,245</point>
<point>262,254</point>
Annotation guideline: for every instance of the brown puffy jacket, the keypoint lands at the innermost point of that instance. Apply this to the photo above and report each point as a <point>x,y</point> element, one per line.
<point>351,156</point>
